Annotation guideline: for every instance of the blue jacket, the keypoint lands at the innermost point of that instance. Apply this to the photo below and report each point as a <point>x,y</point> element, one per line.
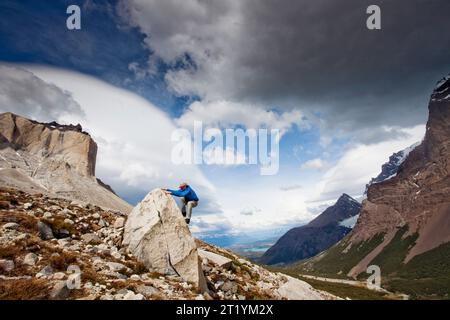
<point>188,194</point>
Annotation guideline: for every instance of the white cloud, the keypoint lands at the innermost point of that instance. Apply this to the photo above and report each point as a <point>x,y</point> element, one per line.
<point>26,94</point>
<point>227,114</point>
<point>315,164</point>
<point>133,136</point>
<point>362,162</point>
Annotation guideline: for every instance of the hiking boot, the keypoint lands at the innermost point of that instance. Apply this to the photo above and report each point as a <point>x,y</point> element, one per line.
<point>188,220</point>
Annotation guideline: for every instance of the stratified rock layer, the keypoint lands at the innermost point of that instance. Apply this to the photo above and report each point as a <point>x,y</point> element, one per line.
<point>53,159</point>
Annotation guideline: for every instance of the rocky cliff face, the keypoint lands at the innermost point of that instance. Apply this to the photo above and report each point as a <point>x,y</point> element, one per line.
<point>419,195</point>
<point>320,234</point>
<point>404,225</point>
<point>52,158</point>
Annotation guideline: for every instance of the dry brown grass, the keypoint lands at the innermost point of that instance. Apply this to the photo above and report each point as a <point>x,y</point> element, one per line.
<point>62,260</point>
<point>32,289</point>
<point>137,267</point>
<point>10,252</point>
<point>4,205</point>
<point>57,224</point>
<point>88,274</point>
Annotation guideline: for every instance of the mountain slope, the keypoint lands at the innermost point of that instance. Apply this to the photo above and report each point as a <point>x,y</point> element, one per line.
<point>405,222</point>
<point>321,233</point>
<point>40,237</point>
<point>53,159</point>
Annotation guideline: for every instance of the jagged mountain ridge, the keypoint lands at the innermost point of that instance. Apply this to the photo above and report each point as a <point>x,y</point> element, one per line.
<point>391,167</point>
<point>53,159</point>
<point>319,234</point>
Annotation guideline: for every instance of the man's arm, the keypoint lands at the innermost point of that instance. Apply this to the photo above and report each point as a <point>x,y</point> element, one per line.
<point>178,193</point>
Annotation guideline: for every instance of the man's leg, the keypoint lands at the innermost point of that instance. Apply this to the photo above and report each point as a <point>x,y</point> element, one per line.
<point>190,205</point>
<point>183,207</point>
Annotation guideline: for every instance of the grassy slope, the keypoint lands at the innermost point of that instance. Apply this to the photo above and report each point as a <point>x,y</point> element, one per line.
<point>335,263</point>
<point>425,276</point>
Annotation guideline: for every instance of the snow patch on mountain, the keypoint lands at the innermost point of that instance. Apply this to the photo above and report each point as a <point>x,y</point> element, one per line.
<point>349,222</point>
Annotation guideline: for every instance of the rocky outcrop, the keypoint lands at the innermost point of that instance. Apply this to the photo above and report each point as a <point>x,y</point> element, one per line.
<point>157,235</point>
<point>51,158</point>
<point>318,235</point>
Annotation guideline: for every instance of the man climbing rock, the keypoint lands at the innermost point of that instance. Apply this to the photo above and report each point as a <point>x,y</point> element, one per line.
<point>188,199</point>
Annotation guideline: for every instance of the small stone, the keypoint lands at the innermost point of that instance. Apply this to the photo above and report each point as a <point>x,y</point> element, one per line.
<point>30,259</point>
<point>63,233</point>
<point>119,223</point>
<point>147,290</point>
<point>90,238</point>
<point>96,216</point>
<point>22,236</point>
<point>115,266</point>
<point>116,255</point>
<point>45,232</point>
<point>218,284</point>
<point>45,272</point>
<point>64,242</point>
<point>123,291</point>
<point>59,276</point>
<point>11,226</point>
<point>230,286</point>
<point>131,296</point>
<point>241,297</point>
<point>68,221</point>
<point>200,297</point>
<point>60,291</point>
<point>135,277</point>
<point>102,223</point>
<point>54,208</point>
<point>27,205</point>
<point>47,215</point>
<point>7,265</point>
<point>88,285</point>
<point>107,297</point>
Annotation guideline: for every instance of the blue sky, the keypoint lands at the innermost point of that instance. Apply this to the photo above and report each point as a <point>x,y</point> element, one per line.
<point>344,104</point>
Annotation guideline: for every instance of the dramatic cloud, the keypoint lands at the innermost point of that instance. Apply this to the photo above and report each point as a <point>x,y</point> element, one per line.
<point>133,135</point>
<point>360,163</point>
<point>27,95</point>
<point>225,114</point>
<point>314,55</point>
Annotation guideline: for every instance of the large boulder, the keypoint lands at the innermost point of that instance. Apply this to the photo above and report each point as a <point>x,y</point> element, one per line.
<point>156,233</point>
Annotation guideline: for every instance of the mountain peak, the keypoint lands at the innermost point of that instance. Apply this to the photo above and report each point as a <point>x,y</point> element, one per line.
<point>344,208</point>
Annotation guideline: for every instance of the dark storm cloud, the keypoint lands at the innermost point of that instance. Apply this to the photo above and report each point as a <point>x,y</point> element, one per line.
<point>315,55</point>
<point>320,53</point>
